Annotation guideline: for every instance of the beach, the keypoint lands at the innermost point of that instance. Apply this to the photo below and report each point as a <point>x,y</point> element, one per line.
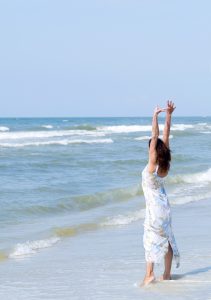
<point>72,208</point>
<point>109,263</point>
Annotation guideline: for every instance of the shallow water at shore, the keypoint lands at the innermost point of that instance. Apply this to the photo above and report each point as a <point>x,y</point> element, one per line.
<point>110,263</point>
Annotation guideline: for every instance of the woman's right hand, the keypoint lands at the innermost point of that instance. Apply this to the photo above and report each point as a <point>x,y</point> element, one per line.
<point>158,110</point>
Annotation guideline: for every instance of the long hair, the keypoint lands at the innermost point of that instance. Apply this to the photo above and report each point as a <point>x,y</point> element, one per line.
<point>163,155</point>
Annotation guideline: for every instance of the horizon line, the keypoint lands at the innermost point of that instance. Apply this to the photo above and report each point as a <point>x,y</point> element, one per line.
<point>81,117</point>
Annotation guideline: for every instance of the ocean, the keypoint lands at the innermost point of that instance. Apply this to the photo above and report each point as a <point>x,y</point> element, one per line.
<point>69,180</point>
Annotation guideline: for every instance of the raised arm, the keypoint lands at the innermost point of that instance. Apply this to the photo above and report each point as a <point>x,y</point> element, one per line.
<point>166,132</point>
<point>155,135</point>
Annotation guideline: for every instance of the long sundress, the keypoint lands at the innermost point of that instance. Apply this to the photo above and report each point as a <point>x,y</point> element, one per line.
<point>157,225</point>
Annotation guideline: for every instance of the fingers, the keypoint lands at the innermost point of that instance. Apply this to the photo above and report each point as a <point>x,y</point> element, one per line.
<point>169,108</point>
<point>158,110</point>
<point>170,103</point>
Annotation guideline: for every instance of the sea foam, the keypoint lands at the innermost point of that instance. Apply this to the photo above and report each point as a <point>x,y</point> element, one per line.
<point>198,177</point>
<point>147,137</point>
<point>31,247</point>
<point>140,128</point>
<point>124,219</point>
<point>47,126</point>
<point>143,138</point>
<point>181,127</point>
<point>57,142</point>
<point>4,128</point>
<point>125,128</point>
<point>47,134</point>
<point>190,198</point>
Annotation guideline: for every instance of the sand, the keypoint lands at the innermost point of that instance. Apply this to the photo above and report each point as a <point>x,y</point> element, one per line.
<point>109,264</point>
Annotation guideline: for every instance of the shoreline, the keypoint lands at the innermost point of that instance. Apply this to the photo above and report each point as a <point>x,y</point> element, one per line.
<point>110,263</point>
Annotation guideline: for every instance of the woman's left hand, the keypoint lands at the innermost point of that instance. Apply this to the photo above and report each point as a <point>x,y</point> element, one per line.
<point>170,107</point>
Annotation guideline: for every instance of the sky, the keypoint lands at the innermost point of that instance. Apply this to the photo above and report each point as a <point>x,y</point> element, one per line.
<point>104,57</point>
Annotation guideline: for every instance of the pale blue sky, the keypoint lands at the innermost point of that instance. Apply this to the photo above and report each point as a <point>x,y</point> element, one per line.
<point>104,58</point>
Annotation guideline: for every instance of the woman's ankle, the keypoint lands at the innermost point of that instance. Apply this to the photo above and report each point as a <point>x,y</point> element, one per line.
<point>166,275</point>
<point>150,274</point>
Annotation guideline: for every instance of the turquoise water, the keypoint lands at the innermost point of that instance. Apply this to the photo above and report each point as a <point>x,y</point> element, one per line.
<point>61,177</point>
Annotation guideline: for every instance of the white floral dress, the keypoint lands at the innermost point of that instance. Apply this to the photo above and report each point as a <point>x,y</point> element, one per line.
<point>157,225</point>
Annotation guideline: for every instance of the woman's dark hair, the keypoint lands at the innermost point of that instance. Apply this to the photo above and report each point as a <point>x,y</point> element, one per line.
<point>163,155</point>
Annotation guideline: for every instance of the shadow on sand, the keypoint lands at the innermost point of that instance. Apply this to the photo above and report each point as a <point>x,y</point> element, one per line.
<point>193,272</point>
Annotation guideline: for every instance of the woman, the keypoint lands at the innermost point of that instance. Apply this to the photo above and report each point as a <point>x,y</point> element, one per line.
<point>158,237</point>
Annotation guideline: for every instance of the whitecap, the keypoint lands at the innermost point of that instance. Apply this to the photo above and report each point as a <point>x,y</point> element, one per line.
<point>198,177</point>
<point>181,127</point>
<point>47,126</point>
<point>4,128</point>
<point>124,128</point>
<point>139,128</point>
<point>202,124</point>
<point>57,142</point>
<point>47,134</point>
<point>124,219</point>
<point>143,138</point>
<point>146,137</point>
<point>31,247</point>
<point>190,198</point>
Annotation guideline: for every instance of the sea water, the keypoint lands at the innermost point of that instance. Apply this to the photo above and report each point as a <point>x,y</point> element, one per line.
<point>62,178</point>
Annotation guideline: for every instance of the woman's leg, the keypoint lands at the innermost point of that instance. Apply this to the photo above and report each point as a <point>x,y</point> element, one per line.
<point>149,277</point>
<point>168,262</point>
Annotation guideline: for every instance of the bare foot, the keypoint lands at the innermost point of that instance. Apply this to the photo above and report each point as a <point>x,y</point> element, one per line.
<point>148,280</point>
<point>165,277</point>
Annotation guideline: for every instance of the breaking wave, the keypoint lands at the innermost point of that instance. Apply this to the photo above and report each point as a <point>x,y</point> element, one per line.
<point>57,142</point>
<point>124,219</point>
<point>31,247</point>
<point>4,128</point>
<point>147,137</point>
<point>46,134</point>
<point>199,177</point>
<point>47,126</point>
